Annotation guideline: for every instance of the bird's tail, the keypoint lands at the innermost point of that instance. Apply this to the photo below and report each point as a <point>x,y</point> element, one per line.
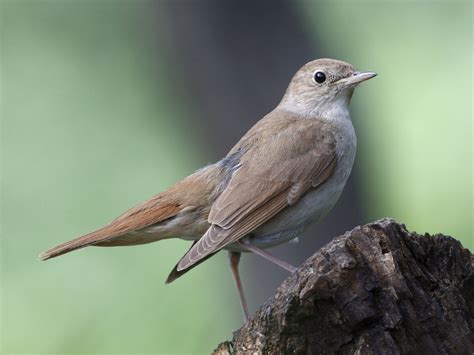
<point>89,239</point>
<point>117,232</point>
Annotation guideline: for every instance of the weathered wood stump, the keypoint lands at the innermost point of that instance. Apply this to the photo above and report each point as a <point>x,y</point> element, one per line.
<point>377,289</point>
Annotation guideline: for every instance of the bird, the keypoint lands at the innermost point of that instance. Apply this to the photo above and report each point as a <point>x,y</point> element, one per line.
<point>283,175</point>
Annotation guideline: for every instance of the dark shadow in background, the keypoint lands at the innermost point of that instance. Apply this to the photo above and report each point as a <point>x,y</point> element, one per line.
<point>235,59</point>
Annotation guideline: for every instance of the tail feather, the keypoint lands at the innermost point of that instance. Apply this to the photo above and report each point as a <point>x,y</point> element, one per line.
<point>75,244</point>
<point>147,213</point>
<point>188,195</point>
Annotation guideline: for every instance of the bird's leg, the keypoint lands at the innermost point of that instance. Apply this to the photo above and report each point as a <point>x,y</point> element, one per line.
<point>234,258</point>
<point>264,254</point>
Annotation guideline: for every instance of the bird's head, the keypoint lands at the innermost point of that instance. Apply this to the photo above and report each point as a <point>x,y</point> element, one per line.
<point>323,87</point>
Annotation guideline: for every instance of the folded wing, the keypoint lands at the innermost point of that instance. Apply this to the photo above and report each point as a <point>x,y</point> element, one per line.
<point>281,161</point>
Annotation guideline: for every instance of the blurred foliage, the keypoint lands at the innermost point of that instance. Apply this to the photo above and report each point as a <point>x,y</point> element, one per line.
<point>90,127</point>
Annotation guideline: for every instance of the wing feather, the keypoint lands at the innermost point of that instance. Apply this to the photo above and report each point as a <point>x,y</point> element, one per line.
<point>217,237</point>
<point>302,154</point>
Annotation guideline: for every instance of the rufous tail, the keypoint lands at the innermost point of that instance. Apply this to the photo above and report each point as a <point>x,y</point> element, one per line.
<point>75,244</point>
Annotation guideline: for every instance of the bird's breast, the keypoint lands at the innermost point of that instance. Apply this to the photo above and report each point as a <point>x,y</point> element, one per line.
<point>316,202</point>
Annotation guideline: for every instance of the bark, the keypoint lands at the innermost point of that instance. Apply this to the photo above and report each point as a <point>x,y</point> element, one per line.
<point>377,289</point>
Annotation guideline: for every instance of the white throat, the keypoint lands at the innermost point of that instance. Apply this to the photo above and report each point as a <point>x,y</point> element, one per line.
<point>330,108</point>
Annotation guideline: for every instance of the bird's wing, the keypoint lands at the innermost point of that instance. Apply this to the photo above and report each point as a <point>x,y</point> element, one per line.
<point>145,214</point>
<point>174,274</point>
<point>279,163</point>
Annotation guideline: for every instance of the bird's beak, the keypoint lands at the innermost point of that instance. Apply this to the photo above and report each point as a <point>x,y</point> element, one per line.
<point>357,77</point>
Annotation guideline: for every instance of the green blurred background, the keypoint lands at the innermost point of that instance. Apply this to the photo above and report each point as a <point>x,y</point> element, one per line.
<point>105,103</point>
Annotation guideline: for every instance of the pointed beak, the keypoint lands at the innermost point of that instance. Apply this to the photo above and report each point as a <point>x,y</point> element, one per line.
<point>357,77</point>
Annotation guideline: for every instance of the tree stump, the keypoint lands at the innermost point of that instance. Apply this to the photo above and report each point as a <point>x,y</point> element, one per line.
<point>377,289</point>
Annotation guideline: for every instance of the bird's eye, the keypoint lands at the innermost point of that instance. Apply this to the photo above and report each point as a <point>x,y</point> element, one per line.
<point>319,77</point>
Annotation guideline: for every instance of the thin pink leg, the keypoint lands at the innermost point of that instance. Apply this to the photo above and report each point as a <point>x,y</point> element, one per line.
<point>234,258</point>
<point>283,264</point>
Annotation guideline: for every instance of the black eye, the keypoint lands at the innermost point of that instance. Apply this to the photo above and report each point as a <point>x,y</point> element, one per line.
<point>319,77</point>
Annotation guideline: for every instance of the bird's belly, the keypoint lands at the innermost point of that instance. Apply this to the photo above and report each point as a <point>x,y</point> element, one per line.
<point>284,227</point>
<point>310,209</point>
<point>291,222</point>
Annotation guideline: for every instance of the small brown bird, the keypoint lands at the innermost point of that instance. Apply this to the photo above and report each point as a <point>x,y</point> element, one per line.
<point>285,173</point>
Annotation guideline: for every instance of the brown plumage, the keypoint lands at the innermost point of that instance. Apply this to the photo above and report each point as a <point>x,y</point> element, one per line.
<point>286,172</point>
<point>303,155</point>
